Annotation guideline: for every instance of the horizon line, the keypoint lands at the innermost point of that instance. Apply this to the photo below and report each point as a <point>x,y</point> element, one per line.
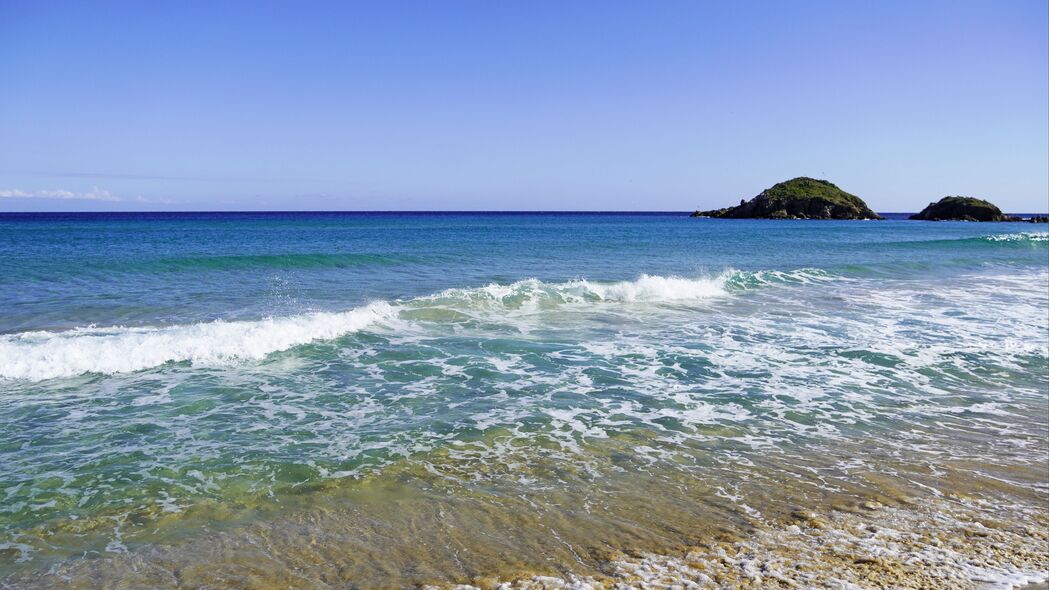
<point>414,211</point>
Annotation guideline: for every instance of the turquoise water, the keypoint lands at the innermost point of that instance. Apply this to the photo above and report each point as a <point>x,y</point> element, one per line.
<point>157,367</point>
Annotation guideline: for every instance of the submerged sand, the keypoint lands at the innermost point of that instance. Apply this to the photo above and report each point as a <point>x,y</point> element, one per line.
<point>907,547</point>
<point>417,526</point>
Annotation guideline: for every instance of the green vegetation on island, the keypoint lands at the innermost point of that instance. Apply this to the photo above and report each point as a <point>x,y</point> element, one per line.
<point>966,209</point>
<point>798,198</point>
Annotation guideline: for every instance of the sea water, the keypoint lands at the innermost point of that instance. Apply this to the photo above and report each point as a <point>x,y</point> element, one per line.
<point>388,399</point>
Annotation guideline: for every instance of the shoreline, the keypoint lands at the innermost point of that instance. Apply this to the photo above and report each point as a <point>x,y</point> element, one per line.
<point>916,559</point>
<point>853,549</point>
<point>453,535</point>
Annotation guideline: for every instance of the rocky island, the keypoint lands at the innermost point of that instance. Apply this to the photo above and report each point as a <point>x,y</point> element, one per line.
<point>798,198</point>
<point>966,209</point>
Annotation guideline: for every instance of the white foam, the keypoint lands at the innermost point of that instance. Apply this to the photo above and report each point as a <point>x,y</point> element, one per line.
<point>847,552</point>
<point>532,293</point>
<point>46,355</point>
<point>1019,237</point>
<point>656,288</point>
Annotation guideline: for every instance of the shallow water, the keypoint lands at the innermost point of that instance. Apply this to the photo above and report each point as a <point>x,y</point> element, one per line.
<point>382,400</point>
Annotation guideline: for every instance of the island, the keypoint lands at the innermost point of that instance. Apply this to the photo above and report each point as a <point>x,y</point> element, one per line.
<point>966,209</point>
<point>798,198</point>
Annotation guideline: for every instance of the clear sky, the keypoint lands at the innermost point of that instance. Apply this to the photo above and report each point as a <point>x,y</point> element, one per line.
<point>556,105</point>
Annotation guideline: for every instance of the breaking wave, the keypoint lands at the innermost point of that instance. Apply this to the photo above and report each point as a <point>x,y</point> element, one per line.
<point>40,355</point>
<point>45,355</point>
<point>1028,239</point>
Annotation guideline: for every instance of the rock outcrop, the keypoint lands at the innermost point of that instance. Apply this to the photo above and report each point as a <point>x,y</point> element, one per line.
<point>962,209</point>
<point>798,198</point>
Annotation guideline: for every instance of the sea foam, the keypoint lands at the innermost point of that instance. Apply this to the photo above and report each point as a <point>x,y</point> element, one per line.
<point>40,355</point>
<point>657,288</point>
<point>1019,237</point>
<point>45,355</point>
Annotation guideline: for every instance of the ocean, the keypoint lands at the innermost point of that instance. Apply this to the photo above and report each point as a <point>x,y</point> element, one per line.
<point>388,400</point>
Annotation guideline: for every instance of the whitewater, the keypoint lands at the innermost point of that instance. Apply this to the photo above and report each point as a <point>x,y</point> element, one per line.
<point>42,355</point>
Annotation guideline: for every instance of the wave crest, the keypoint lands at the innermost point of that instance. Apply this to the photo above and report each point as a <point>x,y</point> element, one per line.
<point>533,293</point>
<point>1018,237</point>
<point>38,355</point>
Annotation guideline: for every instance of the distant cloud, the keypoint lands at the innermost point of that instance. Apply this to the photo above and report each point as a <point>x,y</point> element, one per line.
<point>93,194</point>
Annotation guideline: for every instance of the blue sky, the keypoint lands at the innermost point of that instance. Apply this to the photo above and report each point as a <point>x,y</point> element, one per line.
<point>518,105</point>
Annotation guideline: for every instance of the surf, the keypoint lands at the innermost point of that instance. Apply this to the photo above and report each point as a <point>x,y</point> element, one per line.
<point>37,356</point>
<point>41,355</point>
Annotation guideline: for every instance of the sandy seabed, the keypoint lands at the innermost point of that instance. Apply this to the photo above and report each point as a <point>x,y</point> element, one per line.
<point>873,546</point>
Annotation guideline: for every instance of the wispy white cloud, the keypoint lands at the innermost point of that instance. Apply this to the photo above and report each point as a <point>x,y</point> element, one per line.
<point>95,194</point>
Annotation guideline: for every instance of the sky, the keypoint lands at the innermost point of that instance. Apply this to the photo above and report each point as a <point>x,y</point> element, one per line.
<point>531,105</point>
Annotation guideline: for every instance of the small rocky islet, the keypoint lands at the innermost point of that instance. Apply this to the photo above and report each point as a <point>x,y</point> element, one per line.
<point>798,198</point>
<point>967,209</point>
<point>811,198</point>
